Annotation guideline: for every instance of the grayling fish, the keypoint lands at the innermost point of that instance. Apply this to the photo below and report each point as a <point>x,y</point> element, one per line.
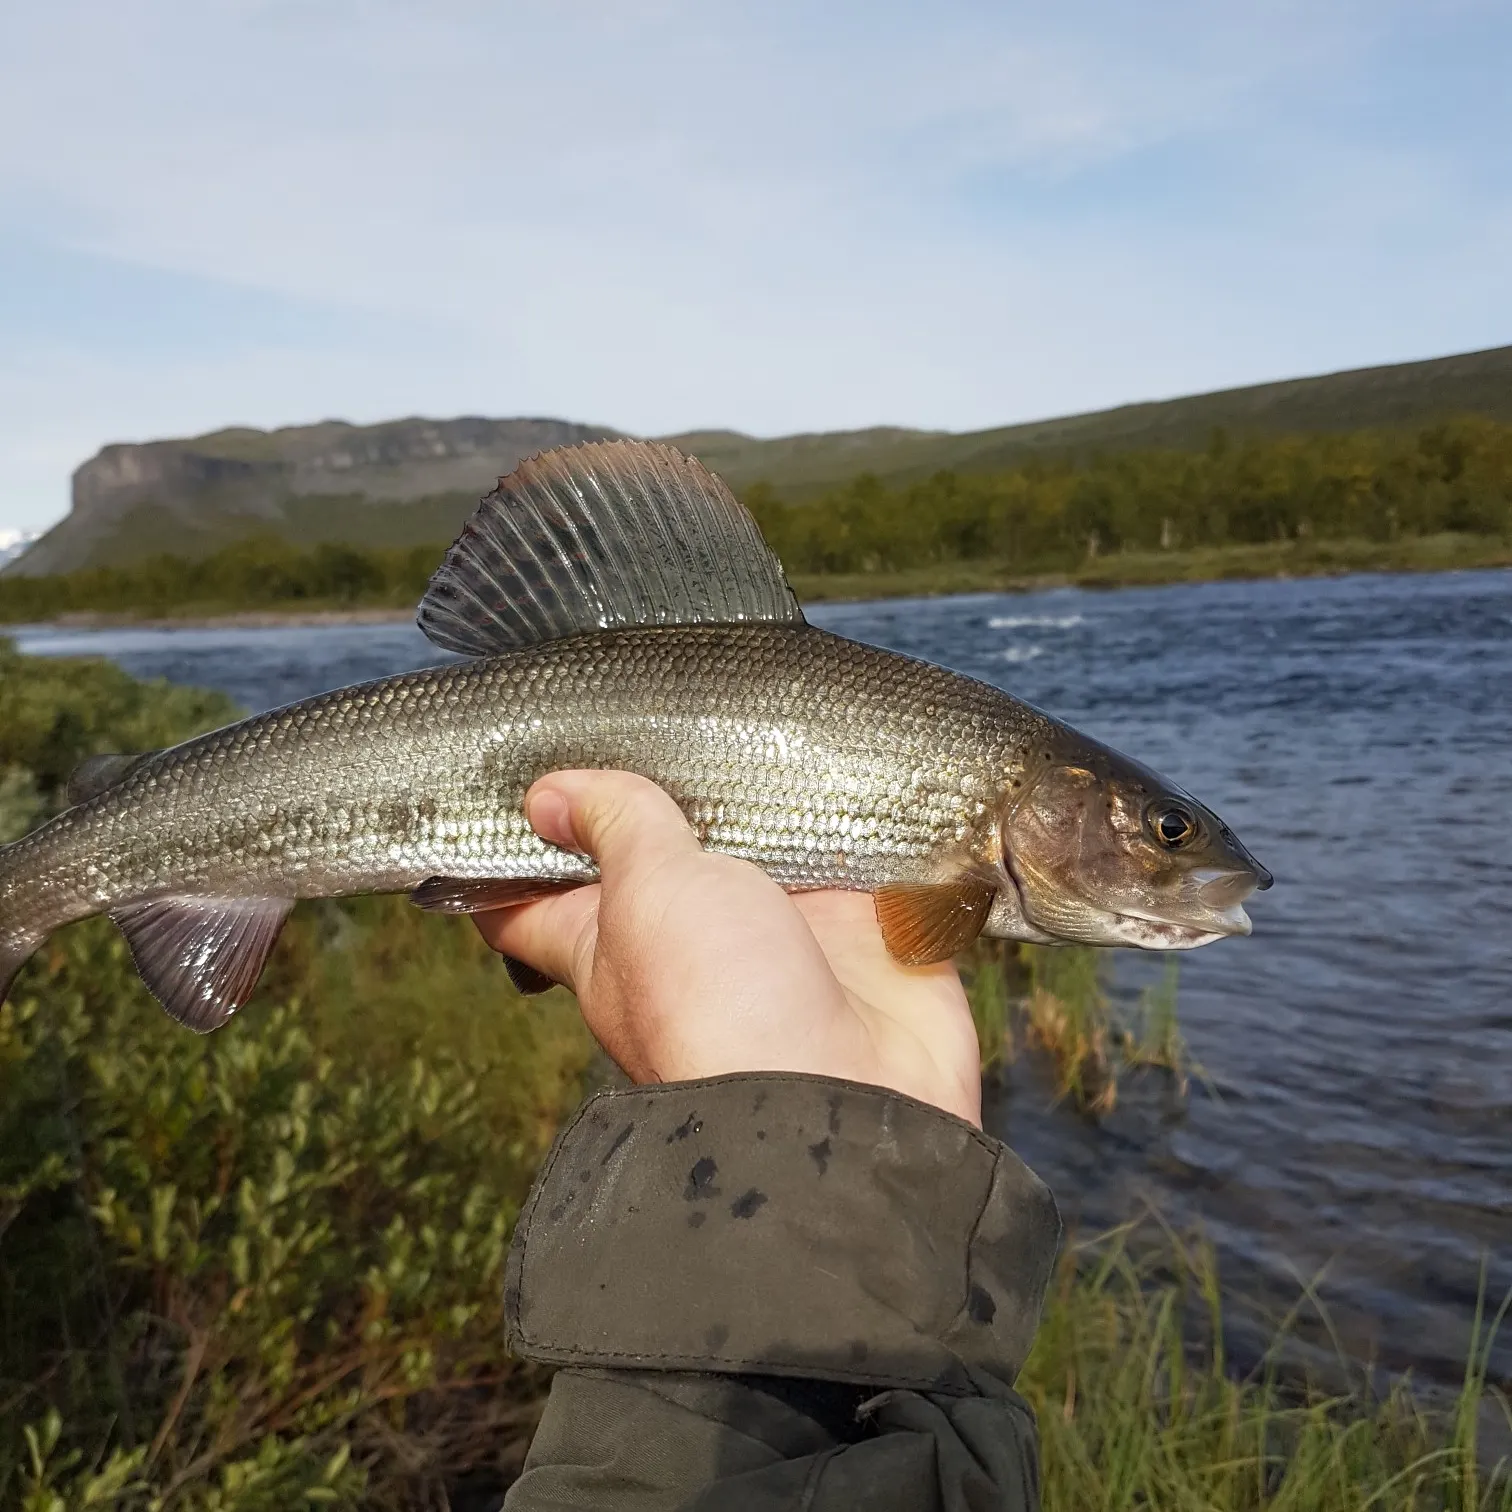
<point>622,610</point>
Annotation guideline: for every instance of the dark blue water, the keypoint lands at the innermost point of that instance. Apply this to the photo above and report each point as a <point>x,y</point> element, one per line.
<point>1357,733</point>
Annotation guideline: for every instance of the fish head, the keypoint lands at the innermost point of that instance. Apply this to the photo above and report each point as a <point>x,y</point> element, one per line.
<point>1103,851</point>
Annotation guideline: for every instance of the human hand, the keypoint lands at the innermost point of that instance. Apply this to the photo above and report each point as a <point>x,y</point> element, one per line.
<point>691,964</point>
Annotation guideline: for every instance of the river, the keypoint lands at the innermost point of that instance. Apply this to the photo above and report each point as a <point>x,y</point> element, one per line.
<point>1355,1120</point>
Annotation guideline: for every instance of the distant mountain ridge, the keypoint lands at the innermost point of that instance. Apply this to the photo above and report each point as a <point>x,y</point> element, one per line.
<point>414,481</point>
<point>13,543</point>
<point>331,481</point>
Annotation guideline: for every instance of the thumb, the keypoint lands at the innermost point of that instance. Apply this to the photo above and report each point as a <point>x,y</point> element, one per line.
<point>627,825</point>
<point>625,822</point>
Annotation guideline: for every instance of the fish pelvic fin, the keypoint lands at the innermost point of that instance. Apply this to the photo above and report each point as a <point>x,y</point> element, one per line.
<point>600,536</point>
<point>201,957</point>
<point>526,979</point>
<point>466,895</point>
<point>925,922</point>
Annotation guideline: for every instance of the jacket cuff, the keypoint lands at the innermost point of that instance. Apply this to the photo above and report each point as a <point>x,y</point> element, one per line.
<point>783,1225</point>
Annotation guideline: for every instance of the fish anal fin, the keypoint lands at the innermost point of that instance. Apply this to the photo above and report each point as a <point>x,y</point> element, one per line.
<point>96,773</point>
<point>606,534</point>
<point>201,956</point>
<point>464,895</point>
<point>924,922</point>
<point>527,980</point>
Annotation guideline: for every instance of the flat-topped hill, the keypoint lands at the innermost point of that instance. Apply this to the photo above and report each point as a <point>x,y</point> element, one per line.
<point>414,481</point>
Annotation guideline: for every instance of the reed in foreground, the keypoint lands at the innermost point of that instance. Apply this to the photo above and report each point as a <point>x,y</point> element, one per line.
<point>1138,1408</point>
<point>1052,1001</point>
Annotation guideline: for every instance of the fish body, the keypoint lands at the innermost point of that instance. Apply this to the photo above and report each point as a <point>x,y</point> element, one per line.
<point>826,762</point>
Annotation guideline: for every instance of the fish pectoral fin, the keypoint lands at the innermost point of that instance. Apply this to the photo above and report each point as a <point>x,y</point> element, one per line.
<point>527,980</point>
<point>96,773</point>
<point>925,922</point>
<point>593,537</point>
<point>465,895</point>
<point>201,957</point>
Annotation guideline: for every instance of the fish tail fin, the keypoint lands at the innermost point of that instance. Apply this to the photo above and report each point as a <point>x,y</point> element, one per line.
<point>19,940</point>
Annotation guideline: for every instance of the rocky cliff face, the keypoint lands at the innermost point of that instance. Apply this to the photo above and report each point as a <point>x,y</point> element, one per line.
<point>131,500</point>
<point>172,474</point>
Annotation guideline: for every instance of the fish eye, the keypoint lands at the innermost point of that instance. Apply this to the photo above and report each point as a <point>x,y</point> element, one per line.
<point>1172,824</point>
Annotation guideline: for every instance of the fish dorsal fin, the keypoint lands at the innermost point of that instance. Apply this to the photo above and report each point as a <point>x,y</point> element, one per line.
<point>96,773</point>
<point>606,534</point>
<point>201,957</point>
<point>925,922</point>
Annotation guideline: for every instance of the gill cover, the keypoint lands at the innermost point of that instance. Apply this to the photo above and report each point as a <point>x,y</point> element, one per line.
<point>1104,852</point>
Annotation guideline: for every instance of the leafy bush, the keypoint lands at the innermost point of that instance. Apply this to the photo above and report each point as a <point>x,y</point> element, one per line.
<point>54,713</point>
<point>259,1269</point>
<point>238,1270</point>
<point>21,802</point>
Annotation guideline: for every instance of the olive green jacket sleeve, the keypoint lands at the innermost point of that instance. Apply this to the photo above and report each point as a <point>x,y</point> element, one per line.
<point>771,1291</point>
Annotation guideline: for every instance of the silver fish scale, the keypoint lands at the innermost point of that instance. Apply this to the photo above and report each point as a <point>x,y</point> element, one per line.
<point>826,762</point>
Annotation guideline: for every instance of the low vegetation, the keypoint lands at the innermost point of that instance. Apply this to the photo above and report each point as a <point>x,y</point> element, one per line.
<point>1139,1408</point>
<point>1371,486</point>
<point>262,1269</point>
<point>1435,497</point>
<point>1051,1002</point>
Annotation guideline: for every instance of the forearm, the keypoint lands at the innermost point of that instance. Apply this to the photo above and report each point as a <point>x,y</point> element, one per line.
<point>766,1288</point>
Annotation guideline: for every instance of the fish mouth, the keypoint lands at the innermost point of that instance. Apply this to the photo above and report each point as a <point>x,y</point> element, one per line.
<point>1213,909</point>
<point>1163,934</point>
<point>1223,889</point>
<point>1216,912</point>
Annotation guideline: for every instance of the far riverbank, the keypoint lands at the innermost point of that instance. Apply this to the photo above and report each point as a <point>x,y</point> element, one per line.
<point>1131,569</point>
<point>1278,559</point>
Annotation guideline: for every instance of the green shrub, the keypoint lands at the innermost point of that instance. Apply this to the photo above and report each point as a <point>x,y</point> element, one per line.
<point>232,1263</point>
<point>54,712</point>
<point>263,1268</point>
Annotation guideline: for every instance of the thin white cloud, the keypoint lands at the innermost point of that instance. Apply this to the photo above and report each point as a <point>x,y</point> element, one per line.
<point>661,215</point>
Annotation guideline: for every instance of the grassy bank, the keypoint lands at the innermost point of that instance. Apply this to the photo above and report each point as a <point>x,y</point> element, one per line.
<point>92,602</point>
<point>1127,569</point>
<point>262,1269</point>
<point>1139,1408</point>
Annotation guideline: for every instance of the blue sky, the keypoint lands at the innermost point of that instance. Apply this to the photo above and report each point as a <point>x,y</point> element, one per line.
<point>797,215</point>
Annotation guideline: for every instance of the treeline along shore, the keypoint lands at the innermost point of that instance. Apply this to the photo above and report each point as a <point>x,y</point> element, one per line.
<point>1435,496</point>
